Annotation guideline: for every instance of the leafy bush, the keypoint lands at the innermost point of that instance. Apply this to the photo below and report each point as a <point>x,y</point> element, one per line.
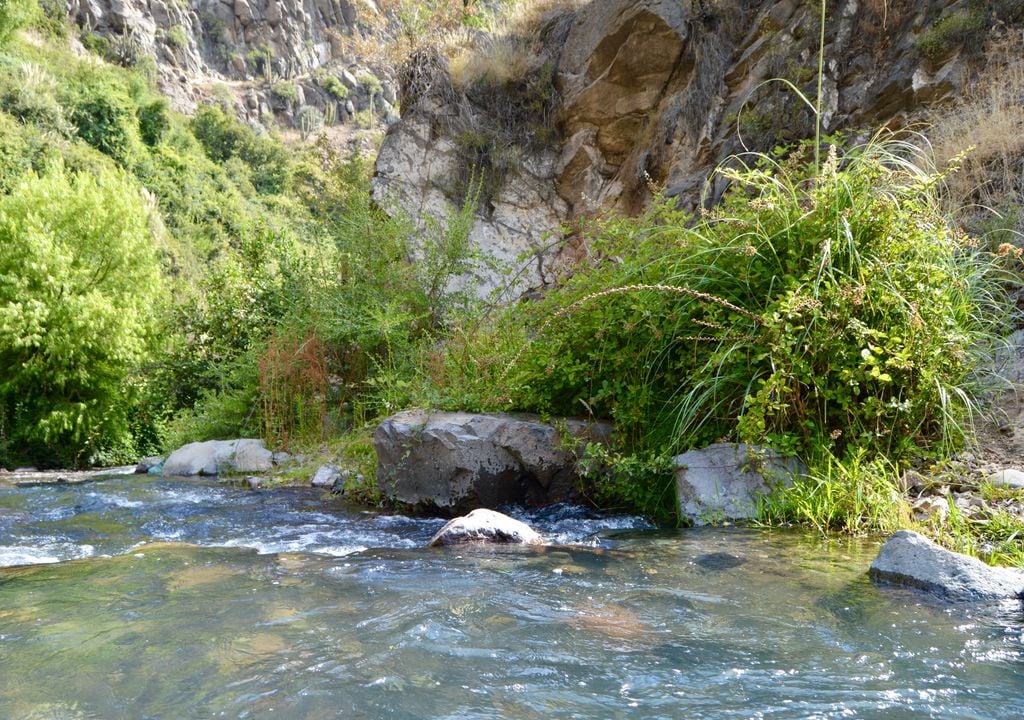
<point>29,93</point>
<point>816,313</point>
<point>95,43</point>
<point>13,15</point>
<point>334,86</point>
<point>286,91</point>
<point>154,121</point>
<point>77,310</point>
<point>177,37</point>
<point>370,83</point>
<point>105,117</point>
<point>224,137</point>
<point>53,17</point>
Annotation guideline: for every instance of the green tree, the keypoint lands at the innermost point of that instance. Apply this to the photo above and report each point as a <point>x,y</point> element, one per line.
<point>79,292</point>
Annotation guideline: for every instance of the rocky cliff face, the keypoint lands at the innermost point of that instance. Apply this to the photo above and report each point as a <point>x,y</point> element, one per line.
<point>656,93</point>
<point>273,56</point>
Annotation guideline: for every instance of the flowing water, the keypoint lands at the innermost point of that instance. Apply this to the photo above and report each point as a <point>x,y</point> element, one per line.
<point>155,598</point>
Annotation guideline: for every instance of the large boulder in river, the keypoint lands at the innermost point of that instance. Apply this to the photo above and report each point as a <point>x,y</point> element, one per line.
<point>219,456</point>
<point>909,558</point>
<point>453,462</point>
<point>725,481</point>
<point>485,526</point>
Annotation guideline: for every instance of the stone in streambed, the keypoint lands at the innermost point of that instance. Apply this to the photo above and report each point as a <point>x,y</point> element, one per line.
<point>485,526</point>
<point>909,558</point>
<point>454,462</point>
<point>327,477</point>
<point>146,464</point>
<point>219,456</point>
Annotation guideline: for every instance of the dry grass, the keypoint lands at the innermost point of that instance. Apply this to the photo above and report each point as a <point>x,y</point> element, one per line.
<point>989,121</point>
<point>498,43</point>
<point>507,46</point>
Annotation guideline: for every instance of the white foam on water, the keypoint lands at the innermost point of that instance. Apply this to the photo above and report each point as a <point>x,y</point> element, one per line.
<point>117,500</point>
<point>48,553</point>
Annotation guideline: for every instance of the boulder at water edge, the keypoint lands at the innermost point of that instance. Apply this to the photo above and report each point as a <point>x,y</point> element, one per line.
<point>486,526</point>
<point>147,464</point>
<point>326,476</point>
<point>909,558</point>
<point>454,462</point>
<point>725,481</point>
<point>219,456</point>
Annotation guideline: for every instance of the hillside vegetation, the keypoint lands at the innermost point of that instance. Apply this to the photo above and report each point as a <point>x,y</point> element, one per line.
<point>168,278</point>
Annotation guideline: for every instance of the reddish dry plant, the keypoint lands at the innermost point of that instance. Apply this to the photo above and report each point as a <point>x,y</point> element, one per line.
<point>293,388</point>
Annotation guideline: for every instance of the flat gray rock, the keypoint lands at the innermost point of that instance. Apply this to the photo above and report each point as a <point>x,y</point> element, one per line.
<point>909,558</point>
<point>485,526</point>
<point>213,457</point>
<point>725,481</point>
<point>454,462</point>
<point>326,476</point>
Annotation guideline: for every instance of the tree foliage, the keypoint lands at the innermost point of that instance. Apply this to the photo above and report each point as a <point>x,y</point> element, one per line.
<point>79,281</point>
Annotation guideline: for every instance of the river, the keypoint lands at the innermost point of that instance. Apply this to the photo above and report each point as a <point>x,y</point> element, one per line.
<point>142,597</point>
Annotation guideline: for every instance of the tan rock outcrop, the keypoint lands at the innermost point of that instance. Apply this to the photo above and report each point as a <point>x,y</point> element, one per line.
<point>653,93</point>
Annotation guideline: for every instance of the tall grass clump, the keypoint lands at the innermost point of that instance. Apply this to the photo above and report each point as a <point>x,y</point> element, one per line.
<point>818,312</point>
<point>856,495</point>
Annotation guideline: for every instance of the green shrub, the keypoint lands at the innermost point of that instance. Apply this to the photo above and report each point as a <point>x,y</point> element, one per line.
<point>30,95</point>
<point>77,310</point>
<point>286,91</point>
<point>105,117</point>
<point>334,86</point>
<point>224,137</point>
<point>95,43</point>
<point>13,15</point>
<point>53,18</point>
<point>154,121</point>
<point>177,37</point>
<point>813,313</point>
<point>370,83</point>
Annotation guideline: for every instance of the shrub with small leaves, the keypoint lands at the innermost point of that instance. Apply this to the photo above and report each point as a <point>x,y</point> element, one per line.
<point>334,86</point>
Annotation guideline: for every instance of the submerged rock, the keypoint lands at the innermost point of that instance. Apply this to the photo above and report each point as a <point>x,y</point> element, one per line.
<point>725,481</point>
<point>719,561</point>
<point>485,526</point>
<point>909,558</point>
<point>454,462</point>
<point>219,456</point>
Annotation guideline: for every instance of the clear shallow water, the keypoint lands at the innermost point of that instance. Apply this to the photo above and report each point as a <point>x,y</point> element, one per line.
<point>196,600</point>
